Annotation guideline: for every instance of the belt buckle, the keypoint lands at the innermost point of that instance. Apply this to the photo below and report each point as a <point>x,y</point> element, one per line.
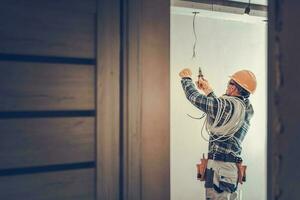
<point>214,157</point>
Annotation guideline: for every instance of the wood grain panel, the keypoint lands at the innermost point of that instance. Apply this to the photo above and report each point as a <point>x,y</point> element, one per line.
<point>274,61</point>
<point>147,100</point>
<point>108,100</point>
<point>47,141</point>
<point>155,62</point>
<point>39,86</point>
<point>71,6</point>
<point>65,185</point>
<point>132,95</point>
<point>283,99</point>
<point>51,28</point>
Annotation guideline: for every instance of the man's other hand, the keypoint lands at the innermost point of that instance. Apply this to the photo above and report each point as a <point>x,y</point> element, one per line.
<point>203,85</point>
<point>185,73</point>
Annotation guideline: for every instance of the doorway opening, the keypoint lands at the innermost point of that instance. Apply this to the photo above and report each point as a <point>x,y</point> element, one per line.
<point>227,40</point>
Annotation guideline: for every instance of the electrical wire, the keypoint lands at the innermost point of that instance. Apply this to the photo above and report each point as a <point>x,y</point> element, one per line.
<point>195,35</point>
<point>231,124</point>
<point>203,115</point>
<point>248,9</point>
<point>194,54</point>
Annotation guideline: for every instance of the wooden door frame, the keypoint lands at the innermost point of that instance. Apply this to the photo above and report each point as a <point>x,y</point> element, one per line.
<point>108,100</point>
<point>133,100</point>
<point>130,169</point>
<point>146,99</point>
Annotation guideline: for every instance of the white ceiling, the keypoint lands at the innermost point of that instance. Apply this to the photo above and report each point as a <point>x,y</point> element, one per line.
<point>219,15</point>
<point>261,2</point>
<point>193,4</point>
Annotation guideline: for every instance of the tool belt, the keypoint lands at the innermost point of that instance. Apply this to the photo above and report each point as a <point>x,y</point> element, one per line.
<point>224,157</point>
<point>241,172</point>
<point>201,169</point>
<point>202,166</point>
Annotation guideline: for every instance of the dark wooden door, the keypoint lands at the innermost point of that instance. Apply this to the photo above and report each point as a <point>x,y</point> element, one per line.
<point>84,99</point>
<point>47,99</point>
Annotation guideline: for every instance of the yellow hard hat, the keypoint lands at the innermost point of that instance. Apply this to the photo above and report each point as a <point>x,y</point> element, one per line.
<point>246,79</point>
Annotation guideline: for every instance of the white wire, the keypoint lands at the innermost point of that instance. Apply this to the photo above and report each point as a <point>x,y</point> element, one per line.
<point>229,126</point>
<point>226,129</point>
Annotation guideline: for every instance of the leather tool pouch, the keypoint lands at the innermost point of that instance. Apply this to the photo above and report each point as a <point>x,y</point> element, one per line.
<point>241,172</point>
<point>201,168</point>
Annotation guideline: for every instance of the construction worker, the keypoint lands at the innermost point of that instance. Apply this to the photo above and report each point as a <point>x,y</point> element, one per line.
<point>227,122</point>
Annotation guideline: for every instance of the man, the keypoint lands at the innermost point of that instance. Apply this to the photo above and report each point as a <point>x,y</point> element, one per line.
<point>228,119</point>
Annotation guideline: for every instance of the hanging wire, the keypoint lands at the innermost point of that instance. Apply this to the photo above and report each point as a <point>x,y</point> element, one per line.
<point>203,115</point>
<point>194,55</point>
<point>195,35</point>
<point>248,9</point>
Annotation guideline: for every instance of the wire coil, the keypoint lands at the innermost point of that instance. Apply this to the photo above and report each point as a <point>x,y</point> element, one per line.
<point>230,125</point>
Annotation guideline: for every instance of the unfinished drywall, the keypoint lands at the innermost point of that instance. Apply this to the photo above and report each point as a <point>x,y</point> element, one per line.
<point>226,43</point>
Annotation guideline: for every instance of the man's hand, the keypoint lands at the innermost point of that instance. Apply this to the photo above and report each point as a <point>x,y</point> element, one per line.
<point>185,73</point>
<point>203,85</point>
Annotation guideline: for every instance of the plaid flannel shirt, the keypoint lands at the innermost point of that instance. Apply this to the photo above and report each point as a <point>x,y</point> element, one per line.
<point>209,105</point>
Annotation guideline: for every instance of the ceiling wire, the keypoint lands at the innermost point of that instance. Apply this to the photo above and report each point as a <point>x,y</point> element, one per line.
<point>194,55</point>
<point>248,9</point>
<point>195,35</point>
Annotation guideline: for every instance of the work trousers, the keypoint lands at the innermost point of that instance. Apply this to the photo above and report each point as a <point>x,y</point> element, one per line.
<point>212,194</point>
<point>221,181</point>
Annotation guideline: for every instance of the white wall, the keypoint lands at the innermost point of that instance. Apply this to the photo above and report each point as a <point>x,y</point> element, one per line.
<point>225,45</point>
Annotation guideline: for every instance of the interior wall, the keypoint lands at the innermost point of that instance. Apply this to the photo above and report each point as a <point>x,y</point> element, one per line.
<point>225,45</point>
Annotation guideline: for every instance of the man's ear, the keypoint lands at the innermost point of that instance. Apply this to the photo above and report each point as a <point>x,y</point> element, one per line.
<point>235,89</point>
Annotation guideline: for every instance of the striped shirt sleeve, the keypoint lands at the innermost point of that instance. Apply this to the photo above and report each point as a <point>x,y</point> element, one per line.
<point>208,104</point>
